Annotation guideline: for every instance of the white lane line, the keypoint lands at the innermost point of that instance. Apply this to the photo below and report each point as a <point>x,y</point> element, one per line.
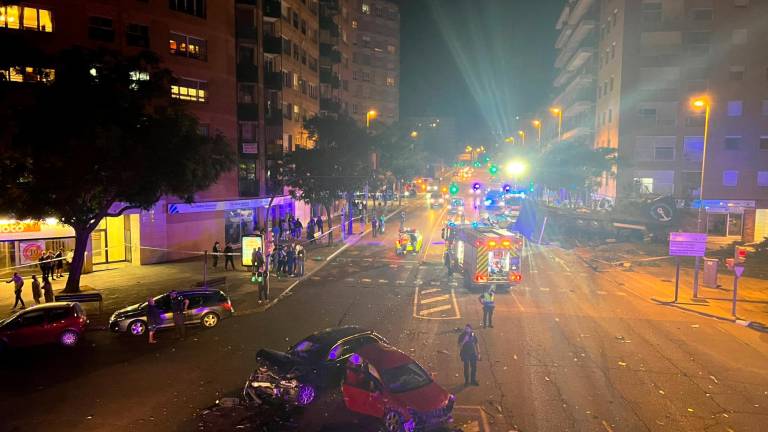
<point>393,266</point>
<point>520,305</point>
<point>383,281</point>
<point>365,280</point>
<point>431,290</point>
<point>368,259</point>
<point>601,292</point>
<point>435,309</point>
<point>408,266</point>
<point>432,232</point>
<point>544,289</point>
<point>434,299</point>
<point>349,280</point>
<point>400,282</point>
<point>455,305</point>
<point>315,278</point>
<point>433,283</point>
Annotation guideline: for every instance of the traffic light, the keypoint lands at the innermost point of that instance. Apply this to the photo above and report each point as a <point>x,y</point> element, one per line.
<point>740,254</point>
<point>454,189</point>
<point>486,159</point>
<point>493,169</point>
<point>477,164</point>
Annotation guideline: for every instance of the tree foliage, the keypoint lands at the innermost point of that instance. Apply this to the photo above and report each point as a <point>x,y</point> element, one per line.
<point>104,131</point>
<point>575,167</point>
<point>399,153</point>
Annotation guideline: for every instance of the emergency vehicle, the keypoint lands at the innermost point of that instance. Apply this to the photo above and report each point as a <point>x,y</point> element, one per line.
<point>486,255</point>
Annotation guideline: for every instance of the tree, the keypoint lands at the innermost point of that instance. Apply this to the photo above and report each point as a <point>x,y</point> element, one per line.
<point>400,153</point>
<point>104,133</point>
<point>575,167</point>
<point>334,166</point>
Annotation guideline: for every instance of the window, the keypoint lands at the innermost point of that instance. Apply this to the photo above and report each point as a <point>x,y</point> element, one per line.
<point>246,93</point>
<point>693,148</point>
<point>736,73</point>
<point>296,113</point>
<point>697,38</point>
<point>663,153</point>
<point>615,17</point>
<point>190,90</point>
<point>655,148</point>
<point>390,82</point>
<point>730,178</point>
<point>286,46</point>
<point>191,7</point>
<point>762,178</point>
<point>137,35</point>
<point>354,24</point>
<point>137,76</point>
<point>610,86</point>
<point>27,74</point>
<point>391,49</point>
<point>610,115</point>
<point>26,17</point>
<point>101,29</point>
<point>651,12</point>
<point>764,143</point>
<point>735,108</point>
<point>204,129</point>
<point>247,131</point>
<point>304,26</point>
<point>366,9</point>
<point>188,46</point>
<point>732,142</point>
<point>613,50</point>
<point>647,114</point>
<point>741,3</point>
<point>739,37</point>
<point>246,54</point>
<point>295,16</point>
<point>701,14</point>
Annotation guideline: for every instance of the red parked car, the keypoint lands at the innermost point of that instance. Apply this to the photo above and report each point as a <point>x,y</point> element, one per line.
<point>62,323</point>
<point>385,383</point>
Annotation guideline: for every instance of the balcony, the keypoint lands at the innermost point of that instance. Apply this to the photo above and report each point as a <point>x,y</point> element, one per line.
<point>328,77</point>
<point>273,80</point>
<point>271,10</point>
<point>330,105</point>
<point>577,108</point>
<point>579,58</point>
<point>247,72</point>
<point>247,32</point>
<point>578,11</point>
<point>248,112</point>
<point>582,31</point>
<point>565,34</point>
<point>328,52</point>
<point>272,44</point>
<point>273,117</point>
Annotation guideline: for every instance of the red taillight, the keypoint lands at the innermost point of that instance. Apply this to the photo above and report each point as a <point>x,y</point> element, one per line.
<point>479,243</point>
<point>515,277</point>
<point>479,277</point>
<point>228,305</point>
<point>505,243</point>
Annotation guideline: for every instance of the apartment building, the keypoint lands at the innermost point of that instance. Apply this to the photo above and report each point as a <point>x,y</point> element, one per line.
<point>196,41</point>
<point>573,107</point>
<point>655,56</point>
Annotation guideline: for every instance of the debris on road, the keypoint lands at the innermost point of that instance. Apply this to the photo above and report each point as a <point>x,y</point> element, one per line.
<point>714,379</point>
<point>621,363</point>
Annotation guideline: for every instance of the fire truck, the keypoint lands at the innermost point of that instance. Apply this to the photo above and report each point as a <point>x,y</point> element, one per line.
<point>486,255</point>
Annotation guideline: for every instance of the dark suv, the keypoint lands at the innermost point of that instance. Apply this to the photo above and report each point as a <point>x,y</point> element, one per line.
<point>206,307</point>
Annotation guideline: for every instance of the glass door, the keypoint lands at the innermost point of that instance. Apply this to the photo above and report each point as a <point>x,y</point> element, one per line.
<point>735,224</point>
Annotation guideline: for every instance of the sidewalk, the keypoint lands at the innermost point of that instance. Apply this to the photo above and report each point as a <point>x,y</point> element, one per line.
<point>124,284</point>
<point>658,279</point>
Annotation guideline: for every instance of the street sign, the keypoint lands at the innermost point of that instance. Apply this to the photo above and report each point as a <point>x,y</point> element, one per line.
<point>687,244</point>
<point>738,270</point>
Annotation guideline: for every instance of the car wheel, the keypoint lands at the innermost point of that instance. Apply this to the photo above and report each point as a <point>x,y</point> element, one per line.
<point>137,327</point>
<point>393,422</point>
<point>69,338</point>
<point>209,320</point>
<point>306,395</point>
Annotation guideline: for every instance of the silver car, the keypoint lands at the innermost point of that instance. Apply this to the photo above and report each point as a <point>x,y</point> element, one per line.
<point>206,307</point>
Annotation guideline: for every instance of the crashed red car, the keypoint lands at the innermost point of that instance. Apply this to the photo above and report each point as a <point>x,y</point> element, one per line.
<point>383,382</point>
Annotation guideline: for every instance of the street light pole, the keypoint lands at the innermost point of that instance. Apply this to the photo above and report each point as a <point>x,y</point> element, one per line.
<point>698,103</point>
<point>559,114</point>
<point>522,135</point>
<point>537,125</point>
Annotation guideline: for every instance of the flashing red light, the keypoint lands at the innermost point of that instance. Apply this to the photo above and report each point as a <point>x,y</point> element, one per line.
<point>479,277</point>
<point>479,243</point>
<point>515,277</point>
<point>505,243</point>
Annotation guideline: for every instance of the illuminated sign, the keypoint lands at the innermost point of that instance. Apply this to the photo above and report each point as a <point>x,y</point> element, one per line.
<point>687,244</point>
<point>250,244</point>
<point>14,226</point>
<point>224,205</point>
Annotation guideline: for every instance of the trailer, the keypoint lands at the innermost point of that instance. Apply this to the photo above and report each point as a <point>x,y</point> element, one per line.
<point>486,256</point>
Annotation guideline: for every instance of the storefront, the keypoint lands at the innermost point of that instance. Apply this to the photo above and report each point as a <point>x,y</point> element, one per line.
<point>728,218</point>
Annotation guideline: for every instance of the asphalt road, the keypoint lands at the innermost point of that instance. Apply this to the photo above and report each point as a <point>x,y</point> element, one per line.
<point>571,350</point>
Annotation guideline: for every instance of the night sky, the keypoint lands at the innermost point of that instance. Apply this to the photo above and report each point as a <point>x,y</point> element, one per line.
<point>480,61</point>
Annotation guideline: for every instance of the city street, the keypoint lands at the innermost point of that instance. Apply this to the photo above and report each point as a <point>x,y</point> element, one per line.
<point>571,350</point>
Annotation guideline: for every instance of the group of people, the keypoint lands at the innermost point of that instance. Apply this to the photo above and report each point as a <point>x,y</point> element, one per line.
<point>179,305</point>
<point>229,255</point>
<point>377,225</point>
<point>52,264</point>
<point>39,291</point>
<point>292,228</point>
<point>287,259</point>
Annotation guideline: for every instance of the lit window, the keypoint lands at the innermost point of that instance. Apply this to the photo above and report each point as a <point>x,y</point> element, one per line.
<point>730,178</point>
<point>354,24</point>
<point>28,18</point>
<point>391,49</point>
<point>135,77</point>
<point>366,8</point>
<point>732,142</point>
<point>190,90</point>
<point>390,82</point>
<point>27,74</point>
<point>762,178</point>
<point>735,108</point>
<point>188,46</point>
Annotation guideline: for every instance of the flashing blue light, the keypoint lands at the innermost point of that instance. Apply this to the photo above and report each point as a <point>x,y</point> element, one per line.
<point>488,202</point>
<point>355,359</point>
<point>476,186</point>
<point>475,224</point>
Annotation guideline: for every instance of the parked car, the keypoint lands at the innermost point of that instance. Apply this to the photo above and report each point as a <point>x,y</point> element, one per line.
<point>206,307</point>
<point>63,323</point>
<point>385,383</point>
<point>314,364</point>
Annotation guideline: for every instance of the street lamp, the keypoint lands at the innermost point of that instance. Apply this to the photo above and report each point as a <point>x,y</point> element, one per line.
<point>697,104</point>
<point>510,140</point>
<point>415,134</point>
<point>370,115</point>
<point>522,135</point>
<point>516,168</point>
<point>537,124</point>
<point>557,112</point>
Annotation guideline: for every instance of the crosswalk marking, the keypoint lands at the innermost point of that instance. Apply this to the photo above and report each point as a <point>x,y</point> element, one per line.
<point>434,283</point>
<point>401,282</point>
<point>383,281</point>
<point>434,309</point>
<point>544,289</point>
<point>434,299</point>
<point>431,290</point>
<point>349,279</point>
<point>601,292</point>
<point>365,280</point>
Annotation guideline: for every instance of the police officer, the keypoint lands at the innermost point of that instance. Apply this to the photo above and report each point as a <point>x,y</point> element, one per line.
<point>488,301</point>
<point>402,219</point>
<point>448,261</point>
<point>179,306</point>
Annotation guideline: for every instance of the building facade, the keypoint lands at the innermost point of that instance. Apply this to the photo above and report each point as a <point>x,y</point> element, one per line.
<point>644,62</point>
<point>197,43</point>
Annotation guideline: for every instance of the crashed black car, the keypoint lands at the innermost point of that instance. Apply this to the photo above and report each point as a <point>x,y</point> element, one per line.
<point>310,366</point>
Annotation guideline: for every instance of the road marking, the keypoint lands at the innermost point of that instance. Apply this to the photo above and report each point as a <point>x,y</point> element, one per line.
<point>418,282</point>
<point>544,289</point>
<point>454,284</point>
<point>621,293</point>
<point>434,299</point>
<point>432,232</point>
<point>315,278</point>
<point>349,279</point>
<point>383,281</point>
<point>601,292</point>
<point>435,309</point>
<point>435,283</point>
<point>365,280</point>
<point>520,305</point>
<point>368,259</point>
<point>401,282</point>
<point>393,266</point>
<point>431,290</point>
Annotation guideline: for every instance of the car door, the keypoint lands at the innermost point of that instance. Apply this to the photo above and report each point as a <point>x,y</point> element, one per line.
<point>28,329</point>
<point>361,392</point>
<point>56,322</point>
<point>194,308</point>
<point>163,304</point>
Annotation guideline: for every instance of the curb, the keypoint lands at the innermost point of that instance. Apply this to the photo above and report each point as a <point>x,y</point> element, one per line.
<point>757,326</point>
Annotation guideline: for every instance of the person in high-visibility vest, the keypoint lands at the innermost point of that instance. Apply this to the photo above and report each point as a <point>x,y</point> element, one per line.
<point>488,300</point>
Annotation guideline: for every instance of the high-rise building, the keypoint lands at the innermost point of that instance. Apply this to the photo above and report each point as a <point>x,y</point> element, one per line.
<point>196,41</point>
<point>360,59</point>
<point>654,56</point>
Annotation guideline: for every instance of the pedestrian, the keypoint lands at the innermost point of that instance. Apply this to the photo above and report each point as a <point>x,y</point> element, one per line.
<point>374,226</point>
<point>320,224</point>
<point>215,250</point>
<point>51,265</point>
<point>18,283</point>
<point>179,306</point>
<point>282,261</point>
<point>469,352</point>
<point>154,319</point>
<point>59,263</point>
<point>311,231</point>
<point>381,224</point>
<point>275,232</point>
<point>300,253</point>
<point>36,293</point>
<point>262,281</point>
<point>42,265</point>
<point>487,299</point>
<point>299,227</point>
<point>448,262</point>
<point>290,259</point>
<point>280,228</point>
<point>273,259</point>
<point>229,256</point>
<point>47,290</point>
<point>255,256</point>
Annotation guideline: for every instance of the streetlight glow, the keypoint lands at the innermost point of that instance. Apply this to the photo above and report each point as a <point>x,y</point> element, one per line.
<point>516,168</point>
<point>537,124</point>
<point>522,135</point>
<point>415,134</point>
<point>558,112</point>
